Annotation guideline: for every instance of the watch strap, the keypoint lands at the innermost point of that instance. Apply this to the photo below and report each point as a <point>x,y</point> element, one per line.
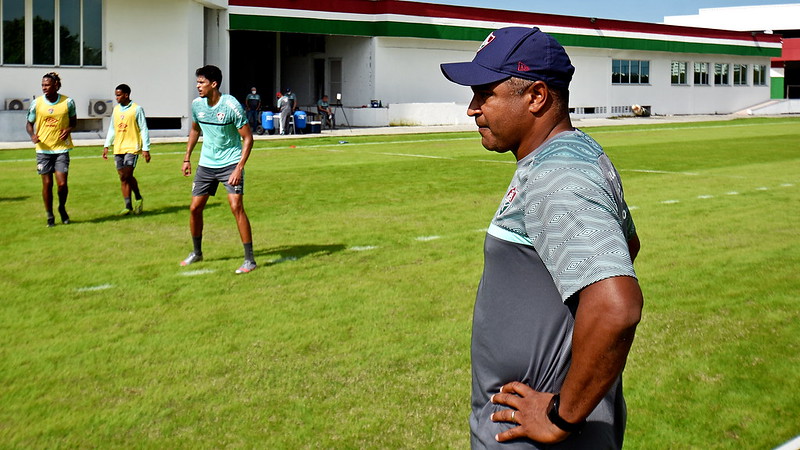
<point>552,414</point>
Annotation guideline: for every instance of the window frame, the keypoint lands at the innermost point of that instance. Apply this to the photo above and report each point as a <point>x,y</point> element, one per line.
<point>760,76</point>
<point>44,43</point>
<point>740,74</point>
<point>700,73</point>
<point>680,74</point>
<point>623,71</point>
<point>720,78</point>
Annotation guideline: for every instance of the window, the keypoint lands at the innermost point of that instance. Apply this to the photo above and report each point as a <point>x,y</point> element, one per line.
<point>759,75</point>
<point>679,69</point>
<point>13,24</point>
<point>701,73</point>
<point>740,74</point>
<point>44,32</point>
<point>722,74</point>
<point>62,32</point>
<point>625,71</point>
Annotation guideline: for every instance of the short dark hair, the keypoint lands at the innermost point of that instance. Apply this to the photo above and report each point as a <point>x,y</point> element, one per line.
<point>211,73</point>
<point>559,94</point>
<point>124,88</point>
<point>55,77</point>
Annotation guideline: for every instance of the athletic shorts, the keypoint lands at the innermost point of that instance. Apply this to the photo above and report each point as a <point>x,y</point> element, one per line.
<point>126,159</point>
<point>52,162</point>
<point>206,180</point>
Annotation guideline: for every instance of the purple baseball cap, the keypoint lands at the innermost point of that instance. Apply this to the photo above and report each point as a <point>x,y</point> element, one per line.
<point>521,52</point>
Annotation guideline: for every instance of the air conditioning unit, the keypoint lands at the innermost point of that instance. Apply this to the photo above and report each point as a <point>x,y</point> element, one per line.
<point>100,108</point>
<point>18,104</point>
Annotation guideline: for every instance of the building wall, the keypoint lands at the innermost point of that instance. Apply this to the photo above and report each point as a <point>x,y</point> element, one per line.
<point>358,68</point>
<point>592,87</point>
<point>409,80</point>
<point>151,45</point>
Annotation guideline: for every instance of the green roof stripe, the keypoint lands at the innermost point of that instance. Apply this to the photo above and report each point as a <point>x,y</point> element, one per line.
<point>417,30</point>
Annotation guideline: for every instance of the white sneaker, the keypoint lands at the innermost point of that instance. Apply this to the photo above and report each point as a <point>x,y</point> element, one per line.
<point>247,266</point>
<point>192,258</point>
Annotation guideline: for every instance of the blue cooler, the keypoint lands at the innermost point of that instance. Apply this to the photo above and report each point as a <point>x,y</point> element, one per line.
<point>266,121</point>
<point>299,120</point>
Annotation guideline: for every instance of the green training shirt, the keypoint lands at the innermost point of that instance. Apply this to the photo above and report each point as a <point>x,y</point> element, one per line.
<point>222,144</point>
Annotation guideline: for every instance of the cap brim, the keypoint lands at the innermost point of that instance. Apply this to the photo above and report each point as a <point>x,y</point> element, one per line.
<point>471,74</point>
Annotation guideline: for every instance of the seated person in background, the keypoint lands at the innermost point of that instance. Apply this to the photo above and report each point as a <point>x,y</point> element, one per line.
<point>324,109</point>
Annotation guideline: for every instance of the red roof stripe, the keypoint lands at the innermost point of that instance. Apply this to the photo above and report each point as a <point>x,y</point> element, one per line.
<point>494,15</point>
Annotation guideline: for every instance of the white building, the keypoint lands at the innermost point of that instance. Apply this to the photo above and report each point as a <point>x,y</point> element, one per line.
<point>385,50</point>
<point>782,20</point>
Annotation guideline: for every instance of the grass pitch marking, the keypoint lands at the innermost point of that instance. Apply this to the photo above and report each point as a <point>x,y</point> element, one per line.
<point>666,172</point>
<point>101,287</point>
<point>194,273</point>
<point>272,262</point>
<point>428,238</point>
<point>363,248</point>
<point>794,444</point>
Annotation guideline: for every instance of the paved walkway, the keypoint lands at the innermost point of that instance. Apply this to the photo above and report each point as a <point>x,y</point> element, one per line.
<point>345,132</point>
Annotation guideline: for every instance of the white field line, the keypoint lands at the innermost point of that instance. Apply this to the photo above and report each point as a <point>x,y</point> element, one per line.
<point>720,124</point>
<point>659,171</point>
<point>363,248</point>
<point>193,273</point>
<point>101,287</point>
<point>794,444</point>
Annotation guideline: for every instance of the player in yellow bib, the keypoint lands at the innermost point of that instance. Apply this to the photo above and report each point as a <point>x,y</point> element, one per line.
<point>51,119</point>
<point>129,135</point>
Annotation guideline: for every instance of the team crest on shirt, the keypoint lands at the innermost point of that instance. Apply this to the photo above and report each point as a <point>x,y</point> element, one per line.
<point>510,196</point>
<point>51,111</point>
<point>220,116</point>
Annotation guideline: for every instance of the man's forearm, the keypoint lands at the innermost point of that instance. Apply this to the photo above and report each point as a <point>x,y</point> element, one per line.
<point>605,325</point>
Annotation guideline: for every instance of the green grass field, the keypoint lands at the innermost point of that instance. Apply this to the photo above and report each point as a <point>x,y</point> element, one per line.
<point>354,331</point>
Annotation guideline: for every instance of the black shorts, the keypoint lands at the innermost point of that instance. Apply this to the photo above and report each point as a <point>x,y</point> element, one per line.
<point>207,179</point>
<point>52,162</point>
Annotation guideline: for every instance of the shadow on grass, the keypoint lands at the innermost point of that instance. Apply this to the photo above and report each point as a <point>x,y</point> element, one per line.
<point>288,253</point>
<point>14,199</point>
<point>145,213</point>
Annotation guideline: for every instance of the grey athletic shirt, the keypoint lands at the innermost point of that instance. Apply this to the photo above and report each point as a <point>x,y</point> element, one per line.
<point>562,226</point>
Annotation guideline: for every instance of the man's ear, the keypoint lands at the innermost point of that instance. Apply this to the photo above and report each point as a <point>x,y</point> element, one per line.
<point>539,96</point>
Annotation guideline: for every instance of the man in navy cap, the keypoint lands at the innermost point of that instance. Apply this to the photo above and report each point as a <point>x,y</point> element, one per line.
<point>558,302</point>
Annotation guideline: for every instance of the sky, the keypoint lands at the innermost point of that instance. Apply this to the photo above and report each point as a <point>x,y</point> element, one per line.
<point>635,10</point>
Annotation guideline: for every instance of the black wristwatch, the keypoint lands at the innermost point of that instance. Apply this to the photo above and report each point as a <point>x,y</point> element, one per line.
<point>552,414</point>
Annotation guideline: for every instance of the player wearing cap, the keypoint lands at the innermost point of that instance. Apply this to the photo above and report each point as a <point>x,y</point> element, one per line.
<point>558,302</point>
<point>227,141</point>
<point>129,135</point>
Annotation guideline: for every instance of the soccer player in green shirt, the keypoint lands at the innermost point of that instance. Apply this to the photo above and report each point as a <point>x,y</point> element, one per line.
<point>227,141</point>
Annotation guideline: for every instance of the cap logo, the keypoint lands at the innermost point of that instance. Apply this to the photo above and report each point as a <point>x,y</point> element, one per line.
<point>487,41</point>
<point>522,67</point>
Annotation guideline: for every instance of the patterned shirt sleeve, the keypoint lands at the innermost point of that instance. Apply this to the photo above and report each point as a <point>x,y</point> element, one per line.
<point>71,110</point>
<point>32,111</point>
<point>141,120</point>
<point>574,222</point>
<point>237,112</point>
